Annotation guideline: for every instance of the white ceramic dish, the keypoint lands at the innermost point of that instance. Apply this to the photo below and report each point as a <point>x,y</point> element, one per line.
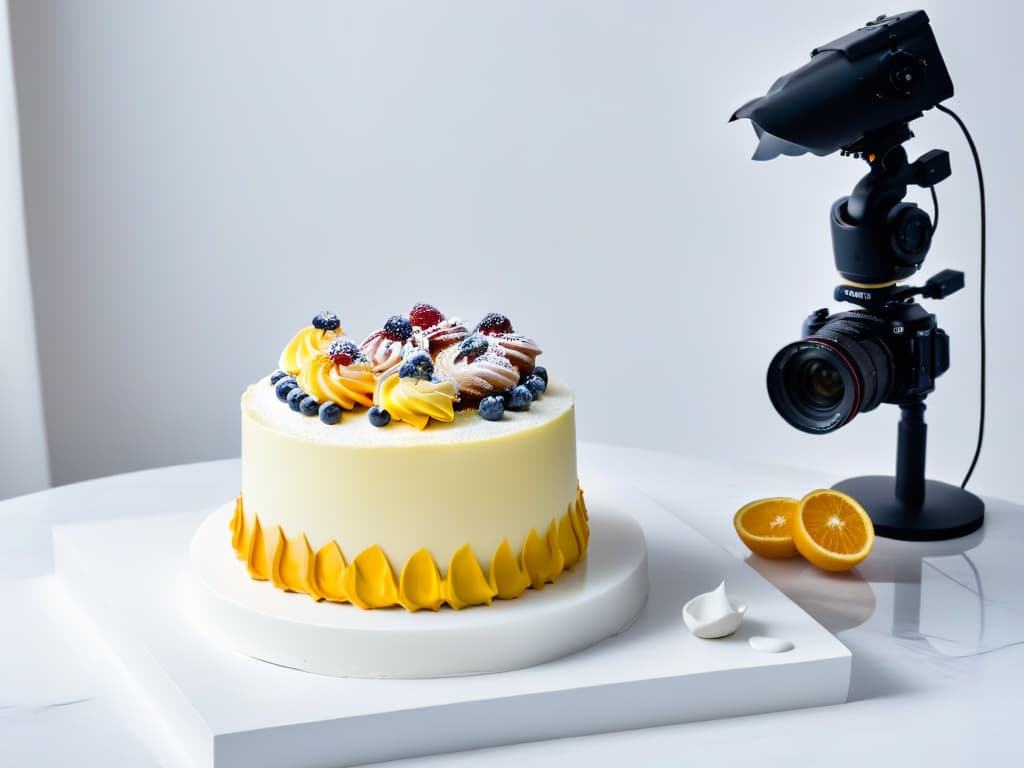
<point>714,614</point>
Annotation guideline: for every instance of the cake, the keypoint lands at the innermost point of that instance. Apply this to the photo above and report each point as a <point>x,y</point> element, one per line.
<point>427,465</point>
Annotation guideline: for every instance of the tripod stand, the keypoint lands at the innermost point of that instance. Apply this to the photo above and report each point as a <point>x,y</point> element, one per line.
<point>876,235</point>
<point>908,506</point>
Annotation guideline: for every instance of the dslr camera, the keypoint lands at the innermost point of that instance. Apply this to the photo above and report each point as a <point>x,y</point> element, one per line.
<point>850,362</point>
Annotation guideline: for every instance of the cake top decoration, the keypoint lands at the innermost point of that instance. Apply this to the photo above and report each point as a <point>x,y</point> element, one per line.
<point>415,369</point>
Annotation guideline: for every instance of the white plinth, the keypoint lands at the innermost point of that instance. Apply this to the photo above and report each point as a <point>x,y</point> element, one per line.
<point>598,598</point>
<point>228,710</point>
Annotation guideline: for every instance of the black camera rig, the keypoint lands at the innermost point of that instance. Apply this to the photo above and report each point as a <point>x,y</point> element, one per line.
<point>857,95</point>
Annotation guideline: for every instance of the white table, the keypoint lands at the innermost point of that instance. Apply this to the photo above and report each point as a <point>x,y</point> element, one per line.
<point>937,637</point>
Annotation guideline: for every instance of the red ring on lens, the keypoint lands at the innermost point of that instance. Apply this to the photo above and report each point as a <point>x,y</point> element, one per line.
<point>853,374</point>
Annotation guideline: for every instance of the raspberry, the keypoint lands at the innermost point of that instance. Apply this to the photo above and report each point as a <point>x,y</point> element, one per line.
<point>494,324</point>
<point>425,316</point>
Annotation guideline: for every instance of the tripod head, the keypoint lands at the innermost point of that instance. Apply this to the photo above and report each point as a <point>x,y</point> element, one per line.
<point>877,238</point>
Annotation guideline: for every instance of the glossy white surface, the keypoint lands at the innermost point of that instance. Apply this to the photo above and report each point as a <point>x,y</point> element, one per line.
<point>236,712</point>
<point>936,634</point>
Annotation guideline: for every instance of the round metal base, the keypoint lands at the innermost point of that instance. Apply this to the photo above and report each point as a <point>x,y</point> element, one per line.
<point>948,511</point>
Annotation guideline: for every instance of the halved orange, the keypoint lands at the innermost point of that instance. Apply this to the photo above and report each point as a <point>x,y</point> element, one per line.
<point>832,530</point>
<point>765,526</point>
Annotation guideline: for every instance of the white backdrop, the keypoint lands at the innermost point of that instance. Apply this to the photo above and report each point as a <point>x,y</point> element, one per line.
<point>23,460</point>
<point>202,177</point>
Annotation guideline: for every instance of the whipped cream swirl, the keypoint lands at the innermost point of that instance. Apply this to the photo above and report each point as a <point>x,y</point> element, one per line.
<point>520,350</point>
<point>384,352</point>
<point>478,376</point>
<point>440,336</point>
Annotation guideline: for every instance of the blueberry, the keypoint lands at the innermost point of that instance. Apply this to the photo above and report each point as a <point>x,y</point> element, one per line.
<point>284,386</point>
<point>295,398</point>
<point>419,366</point>
<point>330,413</point>
<point>519,398</point>
<point>276,376</point>
<point>326,321</point>
<point>398,328</point>
<point>378,416</point>
<point>473,345</point>
<point>308,406</point>
<point>492,408</point>
<point>541,371</point>
<point>535,384</point>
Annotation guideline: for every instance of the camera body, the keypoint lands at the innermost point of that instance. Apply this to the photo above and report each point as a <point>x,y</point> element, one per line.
<point>851,362</point>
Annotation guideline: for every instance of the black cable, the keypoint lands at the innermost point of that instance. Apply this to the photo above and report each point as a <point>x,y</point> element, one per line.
<point>981,303</point>
<point>935,207</point>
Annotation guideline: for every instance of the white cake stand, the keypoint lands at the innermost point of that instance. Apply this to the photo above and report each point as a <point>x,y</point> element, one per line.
<point>598,598</point>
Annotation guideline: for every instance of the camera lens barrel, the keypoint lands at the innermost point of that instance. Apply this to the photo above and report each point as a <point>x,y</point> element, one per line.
<point>820,383</point>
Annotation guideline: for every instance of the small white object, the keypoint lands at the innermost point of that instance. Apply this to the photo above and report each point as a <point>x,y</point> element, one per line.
<point>714,614</point>
<point>770,644</point>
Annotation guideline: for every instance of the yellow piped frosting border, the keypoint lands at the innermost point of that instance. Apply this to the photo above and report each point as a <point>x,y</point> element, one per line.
<point>369,581</point>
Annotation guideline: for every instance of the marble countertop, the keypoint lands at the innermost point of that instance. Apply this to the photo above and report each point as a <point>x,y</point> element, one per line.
<point>936,632</point>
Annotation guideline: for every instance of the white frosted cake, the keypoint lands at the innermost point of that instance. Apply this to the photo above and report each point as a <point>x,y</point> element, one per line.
<point>427,465</point>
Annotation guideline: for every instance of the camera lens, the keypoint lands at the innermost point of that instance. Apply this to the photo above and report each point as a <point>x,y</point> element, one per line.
<point>813,386</point>
<point>822,382</point>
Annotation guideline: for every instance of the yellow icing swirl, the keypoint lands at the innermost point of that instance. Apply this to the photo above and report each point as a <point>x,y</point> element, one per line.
<point>416,401</point>
<point>345,385</point>
<point>289,563</point>
<point>304,346</point>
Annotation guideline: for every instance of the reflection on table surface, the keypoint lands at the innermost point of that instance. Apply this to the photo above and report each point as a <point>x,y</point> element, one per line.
<point>956,598</point>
